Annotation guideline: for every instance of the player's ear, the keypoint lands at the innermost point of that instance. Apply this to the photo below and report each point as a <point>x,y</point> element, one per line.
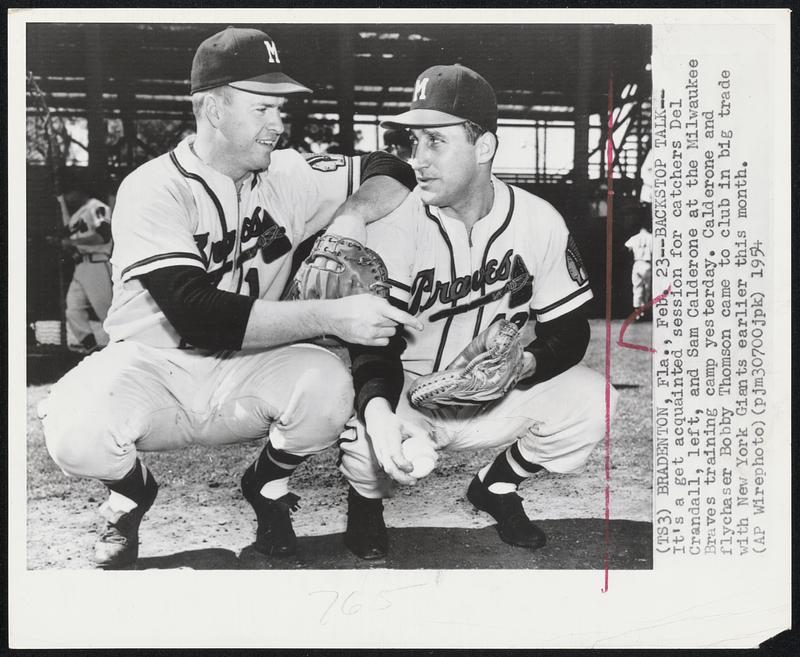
<point>486,146</point>
<point>211,107</point>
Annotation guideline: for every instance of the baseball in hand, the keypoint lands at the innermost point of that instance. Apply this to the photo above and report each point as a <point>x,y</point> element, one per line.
<point>421,453</point>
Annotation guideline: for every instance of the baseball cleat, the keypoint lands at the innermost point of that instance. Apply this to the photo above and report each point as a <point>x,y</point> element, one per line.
<point>365,535</point>
<point>118,545</point>
<point>275,536</point>
<point>514,527</point>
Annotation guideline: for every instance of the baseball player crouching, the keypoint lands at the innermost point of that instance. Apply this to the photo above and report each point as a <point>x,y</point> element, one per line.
<point>474,259</point>
<point>201,344</point>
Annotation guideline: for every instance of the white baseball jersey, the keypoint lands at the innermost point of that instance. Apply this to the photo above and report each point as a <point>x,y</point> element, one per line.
<point>641,245</point>
<point>518,262</point>
<point>176,210</point>
<point>85,222</point>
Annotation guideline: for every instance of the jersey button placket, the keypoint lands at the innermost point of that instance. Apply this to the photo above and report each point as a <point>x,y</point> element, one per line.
<point>238,244</point>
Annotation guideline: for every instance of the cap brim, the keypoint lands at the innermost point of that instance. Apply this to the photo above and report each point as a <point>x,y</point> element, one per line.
<point>422,118</point>
<point>271,84</point>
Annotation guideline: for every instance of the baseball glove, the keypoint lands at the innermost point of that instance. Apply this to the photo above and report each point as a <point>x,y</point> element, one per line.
<point>339,267</point>
<point>486,370</point>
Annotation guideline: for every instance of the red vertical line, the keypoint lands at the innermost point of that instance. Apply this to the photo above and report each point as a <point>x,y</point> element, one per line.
<point>609,253</point>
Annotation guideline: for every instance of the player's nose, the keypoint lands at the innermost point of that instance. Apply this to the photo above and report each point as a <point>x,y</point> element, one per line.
<point>418,159</point>
<point>274,121</point>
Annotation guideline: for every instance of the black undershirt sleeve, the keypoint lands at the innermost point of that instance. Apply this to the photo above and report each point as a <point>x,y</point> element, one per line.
<point>204,316</point>
<point>380,163</point>
<point>559,345</point>
<point>378,371</point>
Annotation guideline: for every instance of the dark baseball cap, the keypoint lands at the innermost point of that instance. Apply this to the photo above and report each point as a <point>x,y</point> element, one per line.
<point>245,58</point>
<point>449,95</point>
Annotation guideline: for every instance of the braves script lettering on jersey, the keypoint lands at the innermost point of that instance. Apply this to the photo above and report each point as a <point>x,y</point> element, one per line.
<point>193,216</point>
<point>518,263</point>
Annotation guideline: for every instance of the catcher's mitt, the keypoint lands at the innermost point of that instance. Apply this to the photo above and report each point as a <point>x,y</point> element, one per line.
<point>486,370</point>
<point>339,267</point>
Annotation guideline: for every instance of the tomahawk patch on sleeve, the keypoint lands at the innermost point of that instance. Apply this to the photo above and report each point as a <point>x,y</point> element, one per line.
<point>325,162</point>
<point>577,272</point>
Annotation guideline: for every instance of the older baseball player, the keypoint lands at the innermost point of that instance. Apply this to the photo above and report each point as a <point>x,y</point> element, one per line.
<point>87,227</point>
<point>464,251</point>
<point>202,349</point>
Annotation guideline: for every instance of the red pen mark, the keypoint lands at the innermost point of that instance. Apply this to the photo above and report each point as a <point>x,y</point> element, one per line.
<point>641,309</point>
<point>609,233</point>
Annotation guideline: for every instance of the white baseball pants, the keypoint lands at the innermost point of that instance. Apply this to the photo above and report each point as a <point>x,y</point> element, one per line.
<point>641,278</point>
<point>558,423</point>
<point>90,288</point>
<point>131,397</point>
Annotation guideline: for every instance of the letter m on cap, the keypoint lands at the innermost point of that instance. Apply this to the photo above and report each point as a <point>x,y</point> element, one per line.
<point>419,89</point>
<point>272,52</point>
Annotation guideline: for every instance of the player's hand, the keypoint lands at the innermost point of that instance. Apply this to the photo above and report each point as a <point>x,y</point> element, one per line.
<point>366,319</point>
<point>387,431</point>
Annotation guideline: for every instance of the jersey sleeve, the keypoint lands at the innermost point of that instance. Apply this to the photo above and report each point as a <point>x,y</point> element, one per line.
<point>631,242</point>
<point>152,229</point>
<point>322,183</point>
<point>393,239</point>
<point>562,283</point>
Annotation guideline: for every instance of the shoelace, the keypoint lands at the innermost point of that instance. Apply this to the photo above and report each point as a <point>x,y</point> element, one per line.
<point>113,534</point>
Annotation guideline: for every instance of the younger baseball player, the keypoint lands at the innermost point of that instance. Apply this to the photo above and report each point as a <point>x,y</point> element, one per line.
<point>463,251</point>
<point>202,349</point>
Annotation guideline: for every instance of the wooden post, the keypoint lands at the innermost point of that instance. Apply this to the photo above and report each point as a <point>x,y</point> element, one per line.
<point>580,181</point>
<point>98,160</point>
<point>127,99</point>
<point>346,91</point>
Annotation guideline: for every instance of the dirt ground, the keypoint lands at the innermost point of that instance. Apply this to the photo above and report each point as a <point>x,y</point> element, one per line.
<point>201,521</point>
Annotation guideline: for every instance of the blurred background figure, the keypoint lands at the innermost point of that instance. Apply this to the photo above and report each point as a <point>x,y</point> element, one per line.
<point>646,192</point>
<point>641,245</point>
<point>398,143</point>
<point>87,236</point>
<point>599,206</point>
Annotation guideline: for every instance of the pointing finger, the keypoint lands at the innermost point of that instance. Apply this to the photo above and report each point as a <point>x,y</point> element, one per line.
<point>402,317</point>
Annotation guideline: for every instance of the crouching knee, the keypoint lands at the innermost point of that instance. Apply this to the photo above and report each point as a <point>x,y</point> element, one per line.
<point>597,410</point>
<point>327,389</point>
<point>320,404</point>
<point>85,443</point>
